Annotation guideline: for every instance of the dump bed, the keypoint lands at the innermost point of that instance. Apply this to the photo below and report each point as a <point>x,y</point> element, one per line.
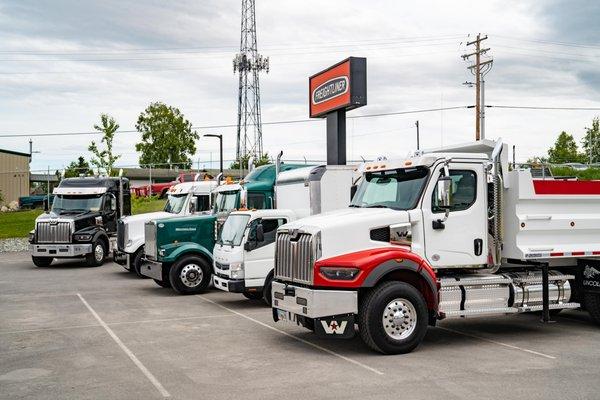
<point>550,219</point>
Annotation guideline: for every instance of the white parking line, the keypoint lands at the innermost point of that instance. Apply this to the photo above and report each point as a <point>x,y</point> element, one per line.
<point>316,346</point>
<point>132,356</point>
<point>510,346</point>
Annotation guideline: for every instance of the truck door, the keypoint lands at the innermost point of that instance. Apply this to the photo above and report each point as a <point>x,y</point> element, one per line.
<point>259,258</point>
<point>461,240</point>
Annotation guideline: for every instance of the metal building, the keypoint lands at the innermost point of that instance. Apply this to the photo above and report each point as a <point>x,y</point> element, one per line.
<point>14,175</point>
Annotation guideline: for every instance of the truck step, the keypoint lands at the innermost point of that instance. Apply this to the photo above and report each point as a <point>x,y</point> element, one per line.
<point>563,306</point>
<point>474,280</point>
<point>481,311</point>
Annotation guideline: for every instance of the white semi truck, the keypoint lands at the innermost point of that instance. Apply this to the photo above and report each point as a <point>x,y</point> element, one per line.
<point>243,255</point>
<point>183,199</point>
<point>451,233</point>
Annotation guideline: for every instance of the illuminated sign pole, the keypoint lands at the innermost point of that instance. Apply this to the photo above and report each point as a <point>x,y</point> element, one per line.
<point>332,92</point>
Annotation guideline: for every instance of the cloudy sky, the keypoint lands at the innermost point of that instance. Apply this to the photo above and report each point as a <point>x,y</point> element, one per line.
<point>65,62</point>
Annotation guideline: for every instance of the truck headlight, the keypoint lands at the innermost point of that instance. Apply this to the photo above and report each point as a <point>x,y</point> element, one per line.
<point>161,252</point>
<point>31,236</point>
<point>339,273</point>
<point>237,270</point>
<point>84,237</point>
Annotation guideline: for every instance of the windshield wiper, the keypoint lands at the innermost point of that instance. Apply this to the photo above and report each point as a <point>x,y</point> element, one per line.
<point>354,206</point>
<point>377,206</point>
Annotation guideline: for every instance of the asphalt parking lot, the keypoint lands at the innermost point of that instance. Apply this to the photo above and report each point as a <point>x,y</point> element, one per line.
<point>73,332</point>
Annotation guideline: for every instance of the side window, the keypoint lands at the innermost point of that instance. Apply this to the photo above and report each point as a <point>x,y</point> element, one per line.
<point>203,203</point>
<point>464,191</point>
<point>269,230</point>
<point>256,201</point>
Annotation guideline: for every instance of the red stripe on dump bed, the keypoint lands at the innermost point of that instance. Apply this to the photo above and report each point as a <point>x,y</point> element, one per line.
<point>557,254</point>
<point>549,186</point>
<point>578,253</point>
<point>595,253</point>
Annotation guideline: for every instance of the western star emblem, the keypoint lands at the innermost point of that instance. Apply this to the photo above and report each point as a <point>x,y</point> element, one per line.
<point>333,328</point>
<point>294,234</point>
<point>590,272</point>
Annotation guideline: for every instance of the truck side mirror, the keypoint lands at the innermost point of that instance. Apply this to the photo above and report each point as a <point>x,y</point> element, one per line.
<point>353,189</point>
<point>260,233</point>
<point>193,205</point>
<point>443,192</point>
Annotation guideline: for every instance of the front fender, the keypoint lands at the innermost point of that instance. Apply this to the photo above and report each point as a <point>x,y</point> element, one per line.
<point>175,251</point>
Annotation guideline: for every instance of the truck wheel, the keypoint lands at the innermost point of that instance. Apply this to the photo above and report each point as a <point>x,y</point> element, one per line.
<point>190,275</point>
<point>592,305</point>
<point>136,265</point>
<point>98,254</point>
<point>165,284</point>
<point>42,262</point>
<point>392,318</point>
<point>267,296</point>
<point>253,295</point>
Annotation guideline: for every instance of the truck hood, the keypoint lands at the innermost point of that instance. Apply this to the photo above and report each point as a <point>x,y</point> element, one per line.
<point>80,220</point>
<point>141,219</point>
<point>348,230</point>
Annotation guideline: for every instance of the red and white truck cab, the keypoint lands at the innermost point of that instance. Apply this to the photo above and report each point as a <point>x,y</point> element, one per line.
<point>447,233</point>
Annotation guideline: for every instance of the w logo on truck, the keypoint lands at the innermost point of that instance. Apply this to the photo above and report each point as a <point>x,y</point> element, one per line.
<point>590,272</point>
<point>333,328</point>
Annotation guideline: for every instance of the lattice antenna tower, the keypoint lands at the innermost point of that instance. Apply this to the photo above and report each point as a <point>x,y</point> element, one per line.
<point>248,63</point>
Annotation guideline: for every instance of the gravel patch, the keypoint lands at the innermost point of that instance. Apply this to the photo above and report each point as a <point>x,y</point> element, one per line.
<point>13,244</point>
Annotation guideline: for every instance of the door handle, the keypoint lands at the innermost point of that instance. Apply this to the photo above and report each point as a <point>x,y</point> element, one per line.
<point>478,246</point>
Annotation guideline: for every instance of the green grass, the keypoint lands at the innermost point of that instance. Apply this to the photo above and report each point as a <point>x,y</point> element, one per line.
<point>19,223</point>
<point>584,175</point>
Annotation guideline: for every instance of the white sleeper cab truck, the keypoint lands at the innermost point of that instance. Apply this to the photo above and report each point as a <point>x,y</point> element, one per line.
<point>182,199</point>
<point>446,234</point>
<point>243,256</point>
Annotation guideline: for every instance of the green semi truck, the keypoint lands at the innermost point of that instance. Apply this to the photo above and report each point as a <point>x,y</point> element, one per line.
<point>178,252</point>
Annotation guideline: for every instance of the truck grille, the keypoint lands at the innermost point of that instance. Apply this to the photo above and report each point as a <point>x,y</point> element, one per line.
<point>121,234</point>
<point>294,258</point>
<point>58,232</point>
<point>150,239</point>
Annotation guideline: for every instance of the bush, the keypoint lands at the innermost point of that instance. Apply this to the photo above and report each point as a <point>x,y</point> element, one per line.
<point>584,174</point>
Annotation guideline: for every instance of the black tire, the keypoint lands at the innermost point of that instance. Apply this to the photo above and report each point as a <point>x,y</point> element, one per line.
<point>164,284</point>
<point>136,265</point>
<point>592,305</point>
<point>190,275</point>
<point>411,306</point>
<point>253,295</point>
<point>42,262</point>
<point>98,255</point>
<point>267,296</point>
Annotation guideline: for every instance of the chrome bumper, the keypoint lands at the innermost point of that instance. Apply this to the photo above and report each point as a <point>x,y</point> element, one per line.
<point>60,250</point>
<point>152,269</point>
<point>122,258</point>
<point>313,303</point>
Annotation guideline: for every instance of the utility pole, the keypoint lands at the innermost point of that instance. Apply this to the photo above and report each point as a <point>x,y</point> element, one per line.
<point>417,125</point>
<point>249,63</point>
<point>479,69</point>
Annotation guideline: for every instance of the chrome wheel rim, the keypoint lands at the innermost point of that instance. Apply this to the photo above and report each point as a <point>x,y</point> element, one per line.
<point>99,252</point>
<point>191,275</point>
<point>399,319</point>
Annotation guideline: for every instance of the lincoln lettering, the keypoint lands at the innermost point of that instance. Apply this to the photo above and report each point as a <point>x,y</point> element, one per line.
<point>332,88</point>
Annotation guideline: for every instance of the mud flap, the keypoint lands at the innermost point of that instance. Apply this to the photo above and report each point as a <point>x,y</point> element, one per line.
<point>336,326</point>
<point>588,275</point>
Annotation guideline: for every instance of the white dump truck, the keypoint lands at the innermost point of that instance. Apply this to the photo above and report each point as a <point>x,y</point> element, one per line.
<point>188,198</point>
<point>244,253</point>
<point>452,233</point>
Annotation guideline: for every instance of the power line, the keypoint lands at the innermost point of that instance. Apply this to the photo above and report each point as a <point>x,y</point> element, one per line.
<point>283,122</point>
<point>546,108</point>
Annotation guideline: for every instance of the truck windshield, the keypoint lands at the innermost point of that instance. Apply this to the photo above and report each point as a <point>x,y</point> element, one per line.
<point>175,203</point>
<point>399,189</point>
<point>227,201</point>
<point>65,204</point>
<point>233,229</point>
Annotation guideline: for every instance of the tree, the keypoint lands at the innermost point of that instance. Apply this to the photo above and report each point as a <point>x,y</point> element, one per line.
<point>262,160</point>
<point>104,160</point>
<point>79,167</point>
<point>564,151</point>
<point>167,137</point>
<point>591,142</point>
